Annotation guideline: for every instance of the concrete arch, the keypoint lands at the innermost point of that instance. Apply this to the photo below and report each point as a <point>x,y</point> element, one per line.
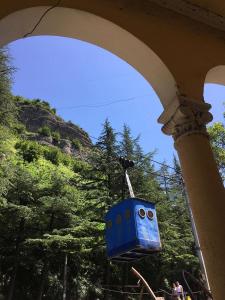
<point>73,23</point>
<point>216,75</point>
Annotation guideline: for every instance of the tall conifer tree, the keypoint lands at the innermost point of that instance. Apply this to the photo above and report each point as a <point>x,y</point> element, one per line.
<point>7,104</point>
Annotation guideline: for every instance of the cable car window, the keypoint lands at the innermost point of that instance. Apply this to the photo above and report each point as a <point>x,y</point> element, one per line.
<point>150,214</point>
<point>141,213</point>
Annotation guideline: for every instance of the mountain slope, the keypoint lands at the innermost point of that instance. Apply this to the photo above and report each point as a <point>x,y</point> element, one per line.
<point>36,114</point>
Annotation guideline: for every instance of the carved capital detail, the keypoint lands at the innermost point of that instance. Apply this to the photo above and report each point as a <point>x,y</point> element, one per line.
<point>184,117</point>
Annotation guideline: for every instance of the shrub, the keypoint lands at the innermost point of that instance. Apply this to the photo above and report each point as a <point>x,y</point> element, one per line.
<point>22,100</point>
<point>77,144</point>
<point>30,151</point>
<point>56,136</point>
<point>20,128</point>
<point>53,110</point>
<point>45,103</point>
<point>53,155</point>
<point>66,159</point>
<point>81,167</point>
<point>45,131</point>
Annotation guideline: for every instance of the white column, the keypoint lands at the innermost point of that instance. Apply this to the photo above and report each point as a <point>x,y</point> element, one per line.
<point>186,121</point>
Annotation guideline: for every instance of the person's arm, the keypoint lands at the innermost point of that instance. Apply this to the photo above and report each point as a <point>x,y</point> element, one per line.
<point>182,291</point>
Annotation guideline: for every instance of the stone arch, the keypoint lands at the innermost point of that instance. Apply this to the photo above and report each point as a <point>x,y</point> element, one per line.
<point>73,23</point>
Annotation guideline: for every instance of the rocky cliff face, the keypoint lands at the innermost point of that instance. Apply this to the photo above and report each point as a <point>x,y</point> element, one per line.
<point>35,117</point>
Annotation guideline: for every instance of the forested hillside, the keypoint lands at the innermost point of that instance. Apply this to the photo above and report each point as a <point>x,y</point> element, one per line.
<point>53,202</point>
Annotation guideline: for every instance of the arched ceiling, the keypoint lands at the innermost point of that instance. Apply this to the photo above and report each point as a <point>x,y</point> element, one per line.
<point>176,41</point>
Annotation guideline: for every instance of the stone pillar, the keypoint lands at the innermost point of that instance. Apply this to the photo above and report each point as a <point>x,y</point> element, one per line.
<point>186,121</point>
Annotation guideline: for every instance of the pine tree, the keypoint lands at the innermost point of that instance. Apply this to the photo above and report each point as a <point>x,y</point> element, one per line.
<point>127,143</point>
<point>106,161</point>
<point>7,104</point>
<point>16,215</point>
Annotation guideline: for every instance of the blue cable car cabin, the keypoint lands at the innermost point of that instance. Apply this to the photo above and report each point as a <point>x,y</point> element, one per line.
<point>132,230</point>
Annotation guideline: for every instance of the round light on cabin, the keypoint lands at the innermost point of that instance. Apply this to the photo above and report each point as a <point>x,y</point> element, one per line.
<point>150,214</point>
<point>141,213</point>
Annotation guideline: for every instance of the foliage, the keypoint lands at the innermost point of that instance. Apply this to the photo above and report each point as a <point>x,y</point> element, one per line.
<point>45,131</point>
<point>7,105</point>
<point>217,137</point>
<point>29,150</point>
<point>77,144</point>
<point>35,102</point>
<point>7,141</point>
<point>56,136</point>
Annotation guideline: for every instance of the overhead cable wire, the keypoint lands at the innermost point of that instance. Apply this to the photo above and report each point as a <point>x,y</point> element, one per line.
<point>42,17</point>
<point>165,165</point>
<point>162,176</point>
<point>157,162</point>
<point>98,105</point>
<point>154,161</point>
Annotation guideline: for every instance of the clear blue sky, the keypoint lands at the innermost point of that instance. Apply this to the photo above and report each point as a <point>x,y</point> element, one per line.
<point>77,78</point>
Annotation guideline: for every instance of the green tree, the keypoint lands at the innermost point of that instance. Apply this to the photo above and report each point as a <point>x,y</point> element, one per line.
<point>29,150</point>
<point>217,138</point>
<point>141,174</point>
<point>127,143</point>
<point>16,215</point>
<point>106,161</point>
<point>7,104</point>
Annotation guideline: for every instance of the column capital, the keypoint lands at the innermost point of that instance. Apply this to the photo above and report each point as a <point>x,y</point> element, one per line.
<point>184,116</point>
